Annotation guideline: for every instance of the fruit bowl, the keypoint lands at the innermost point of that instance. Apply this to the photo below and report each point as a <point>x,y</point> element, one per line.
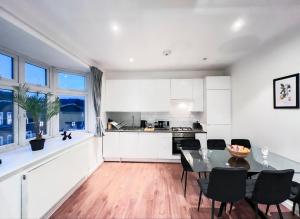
<point>238,151</point>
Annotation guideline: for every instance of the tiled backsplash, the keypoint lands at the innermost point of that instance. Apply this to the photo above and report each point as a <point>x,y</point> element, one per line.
<point>175,118</point>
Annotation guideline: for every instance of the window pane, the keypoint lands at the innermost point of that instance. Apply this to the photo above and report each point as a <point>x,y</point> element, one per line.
<point>6,117</point>
<point>71,81</point>
<point>71,116</point>
<point>35,75</point>
<point>6,67</point>
<point>30,131</point>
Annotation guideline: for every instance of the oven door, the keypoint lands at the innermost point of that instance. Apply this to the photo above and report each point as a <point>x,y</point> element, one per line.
<point>177,143</point>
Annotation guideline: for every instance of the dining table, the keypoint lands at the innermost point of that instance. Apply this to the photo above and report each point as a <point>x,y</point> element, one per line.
<point>204,160</point>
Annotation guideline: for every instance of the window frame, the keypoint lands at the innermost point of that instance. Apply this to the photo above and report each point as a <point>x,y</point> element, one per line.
<point>73,92</point>
<point>19,115</point>
<point>58,71</point>
<point>15,123</point>
<point>15,79</point>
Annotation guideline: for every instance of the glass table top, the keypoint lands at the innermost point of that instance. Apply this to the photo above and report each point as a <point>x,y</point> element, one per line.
<point>254,162</point>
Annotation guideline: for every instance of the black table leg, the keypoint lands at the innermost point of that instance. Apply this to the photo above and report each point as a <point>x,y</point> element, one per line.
<point>252,205</point>
<point>221,209</point>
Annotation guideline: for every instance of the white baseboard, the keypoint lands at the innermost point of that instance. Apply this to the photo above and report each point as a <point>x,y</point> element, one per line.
<point>143,160</point>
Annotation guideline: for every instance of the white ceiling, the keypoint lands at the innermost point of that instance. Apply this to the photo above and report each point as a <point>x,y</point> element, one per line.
<point>191,29</point>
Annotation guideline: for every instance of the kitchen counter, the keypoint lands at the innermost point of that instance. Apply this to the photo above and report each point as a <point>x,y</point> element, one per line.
<point>155,130</point>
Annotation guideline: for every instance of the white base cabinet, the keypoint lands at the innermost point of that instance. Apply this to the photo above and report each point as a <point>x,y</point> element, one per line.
<point>111,146</point>
<point>10,198</point>
<point>135,145</point>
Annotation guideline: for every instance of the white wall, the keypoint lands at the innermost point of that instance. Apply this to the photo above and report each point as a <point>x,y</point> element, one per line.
<point>162,74</point>
<point>253,115</point>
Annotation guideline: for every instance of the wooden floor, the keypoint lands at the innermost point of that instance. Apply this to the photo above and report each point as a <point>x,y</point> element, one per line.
<point>144,190</point>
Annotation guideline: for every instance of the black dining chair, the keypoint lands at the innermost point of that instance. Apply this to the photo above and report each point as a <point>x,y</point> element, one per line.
<point>295,195</point>
<point>226,185</point>
<point>216,144</point>
<point>272,187</point>
<point>244,142</point>
<point>191,144</point>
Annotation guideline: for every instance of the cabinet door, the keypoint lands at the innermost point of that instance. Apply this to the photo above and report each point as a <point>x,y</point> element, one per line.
<point>218,107</point>
<point>129,145</point>
<point>218,82</point>
<point>164,145</point>
<point>182,89</point>
<point>111,147</point>
<point>197,95</point>
<point>122,95</point>
<point>154,95</point>
<point>148,146</point>
<point>10,197</point>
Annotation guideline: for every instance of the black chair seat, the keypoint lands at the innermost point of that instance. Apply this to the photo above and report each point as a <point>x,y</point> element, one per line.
<point>193,144</point>
<point>203,183</point>
<point>272,187</point>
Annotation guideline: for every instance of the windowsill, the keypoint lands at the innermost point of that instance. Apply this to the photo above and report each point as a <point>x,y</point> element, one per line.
<point>17,160</point>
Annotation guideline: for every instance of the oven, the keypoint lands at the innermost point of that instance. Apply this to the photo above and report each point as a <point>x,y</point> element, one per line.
<point>178,137</point>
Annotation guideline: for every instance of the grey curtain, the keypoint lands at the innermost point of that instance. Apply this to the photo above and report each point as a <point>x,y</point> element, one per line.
<point>97,85</point>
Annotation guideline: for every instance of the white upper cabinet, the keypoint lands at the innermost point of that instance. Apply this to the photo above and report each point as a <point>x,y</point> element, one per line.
<point>122,95</point>
<point>154,95</point>
<point>218,82</point>
<point>182,89</point>
<point>137,95</point>
<point>197,95</point>
<point>218,107</point>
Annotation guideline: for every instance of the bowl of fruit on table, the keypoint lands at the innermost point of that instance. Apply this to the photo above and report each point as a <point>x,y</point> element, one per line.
<point>238,151</point>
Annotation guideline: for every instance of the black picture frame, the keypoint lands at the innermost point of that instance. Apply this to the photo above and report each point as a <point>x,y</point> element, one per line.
<point>296,106</point>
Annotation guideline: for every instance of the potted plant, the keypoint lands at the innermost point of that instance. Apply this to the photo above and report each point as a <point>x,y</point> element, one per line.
<point>37,106</point>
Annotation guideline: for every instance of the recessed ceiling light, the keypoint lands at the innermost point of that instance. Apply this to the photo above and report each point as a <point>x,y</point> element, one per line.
<point>204,59</point>
<point>115,27</point>
<point>238,25</point>
<point>131,60</point>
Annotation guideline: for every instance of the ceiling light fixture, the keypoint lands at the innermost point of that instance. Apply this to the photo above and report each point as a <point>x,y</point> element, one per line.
<point>167,52</point>
<point>204,59</point>
<point>115,27</point>
<point>131,60</point>
<point>238,25</point>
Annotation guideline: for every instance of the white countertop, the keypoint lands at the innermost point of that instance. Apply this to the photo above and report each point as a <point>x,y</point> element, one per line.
<point>22,158</point>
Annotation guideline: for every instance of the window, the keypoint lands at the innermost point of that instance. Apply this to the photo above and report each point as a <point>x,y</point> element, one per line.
<point>1,118</point>
<point>6,66</point>
<point>71,81</point>
<point>6,111</point>
<point>35,75</point>
<point>71,116</point>
<point>30,129</point>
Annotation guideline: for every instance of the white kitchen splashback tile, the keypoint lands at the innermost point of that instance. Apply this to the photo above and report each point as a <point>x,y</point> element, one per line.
<point>176,118</point>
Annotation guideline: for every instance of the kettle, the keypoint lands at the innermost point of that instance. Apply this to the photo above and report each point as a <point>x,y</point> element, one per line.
<point>197,125</point>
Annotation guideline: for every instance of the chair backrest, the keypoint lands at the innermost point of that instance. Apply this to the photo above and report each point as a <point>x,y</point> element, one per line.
<point>190,144</point>
<point>216,144</point>
<point>273,186</point>
<point>227,184</point>
<point>244,142</point>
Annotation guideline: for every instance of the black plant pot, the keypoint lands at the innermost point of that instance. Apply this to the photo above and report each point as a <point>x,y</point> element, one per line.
<point>37,144</point>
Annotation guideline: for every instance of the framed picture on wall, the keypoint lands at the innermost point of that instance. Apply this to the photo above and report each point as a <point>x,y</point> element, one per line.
<point>286,92</point>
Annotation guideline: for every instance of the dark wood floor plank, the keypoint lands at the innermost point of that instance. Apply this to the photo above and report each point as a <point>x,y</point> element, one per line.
<point>145,190</point>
